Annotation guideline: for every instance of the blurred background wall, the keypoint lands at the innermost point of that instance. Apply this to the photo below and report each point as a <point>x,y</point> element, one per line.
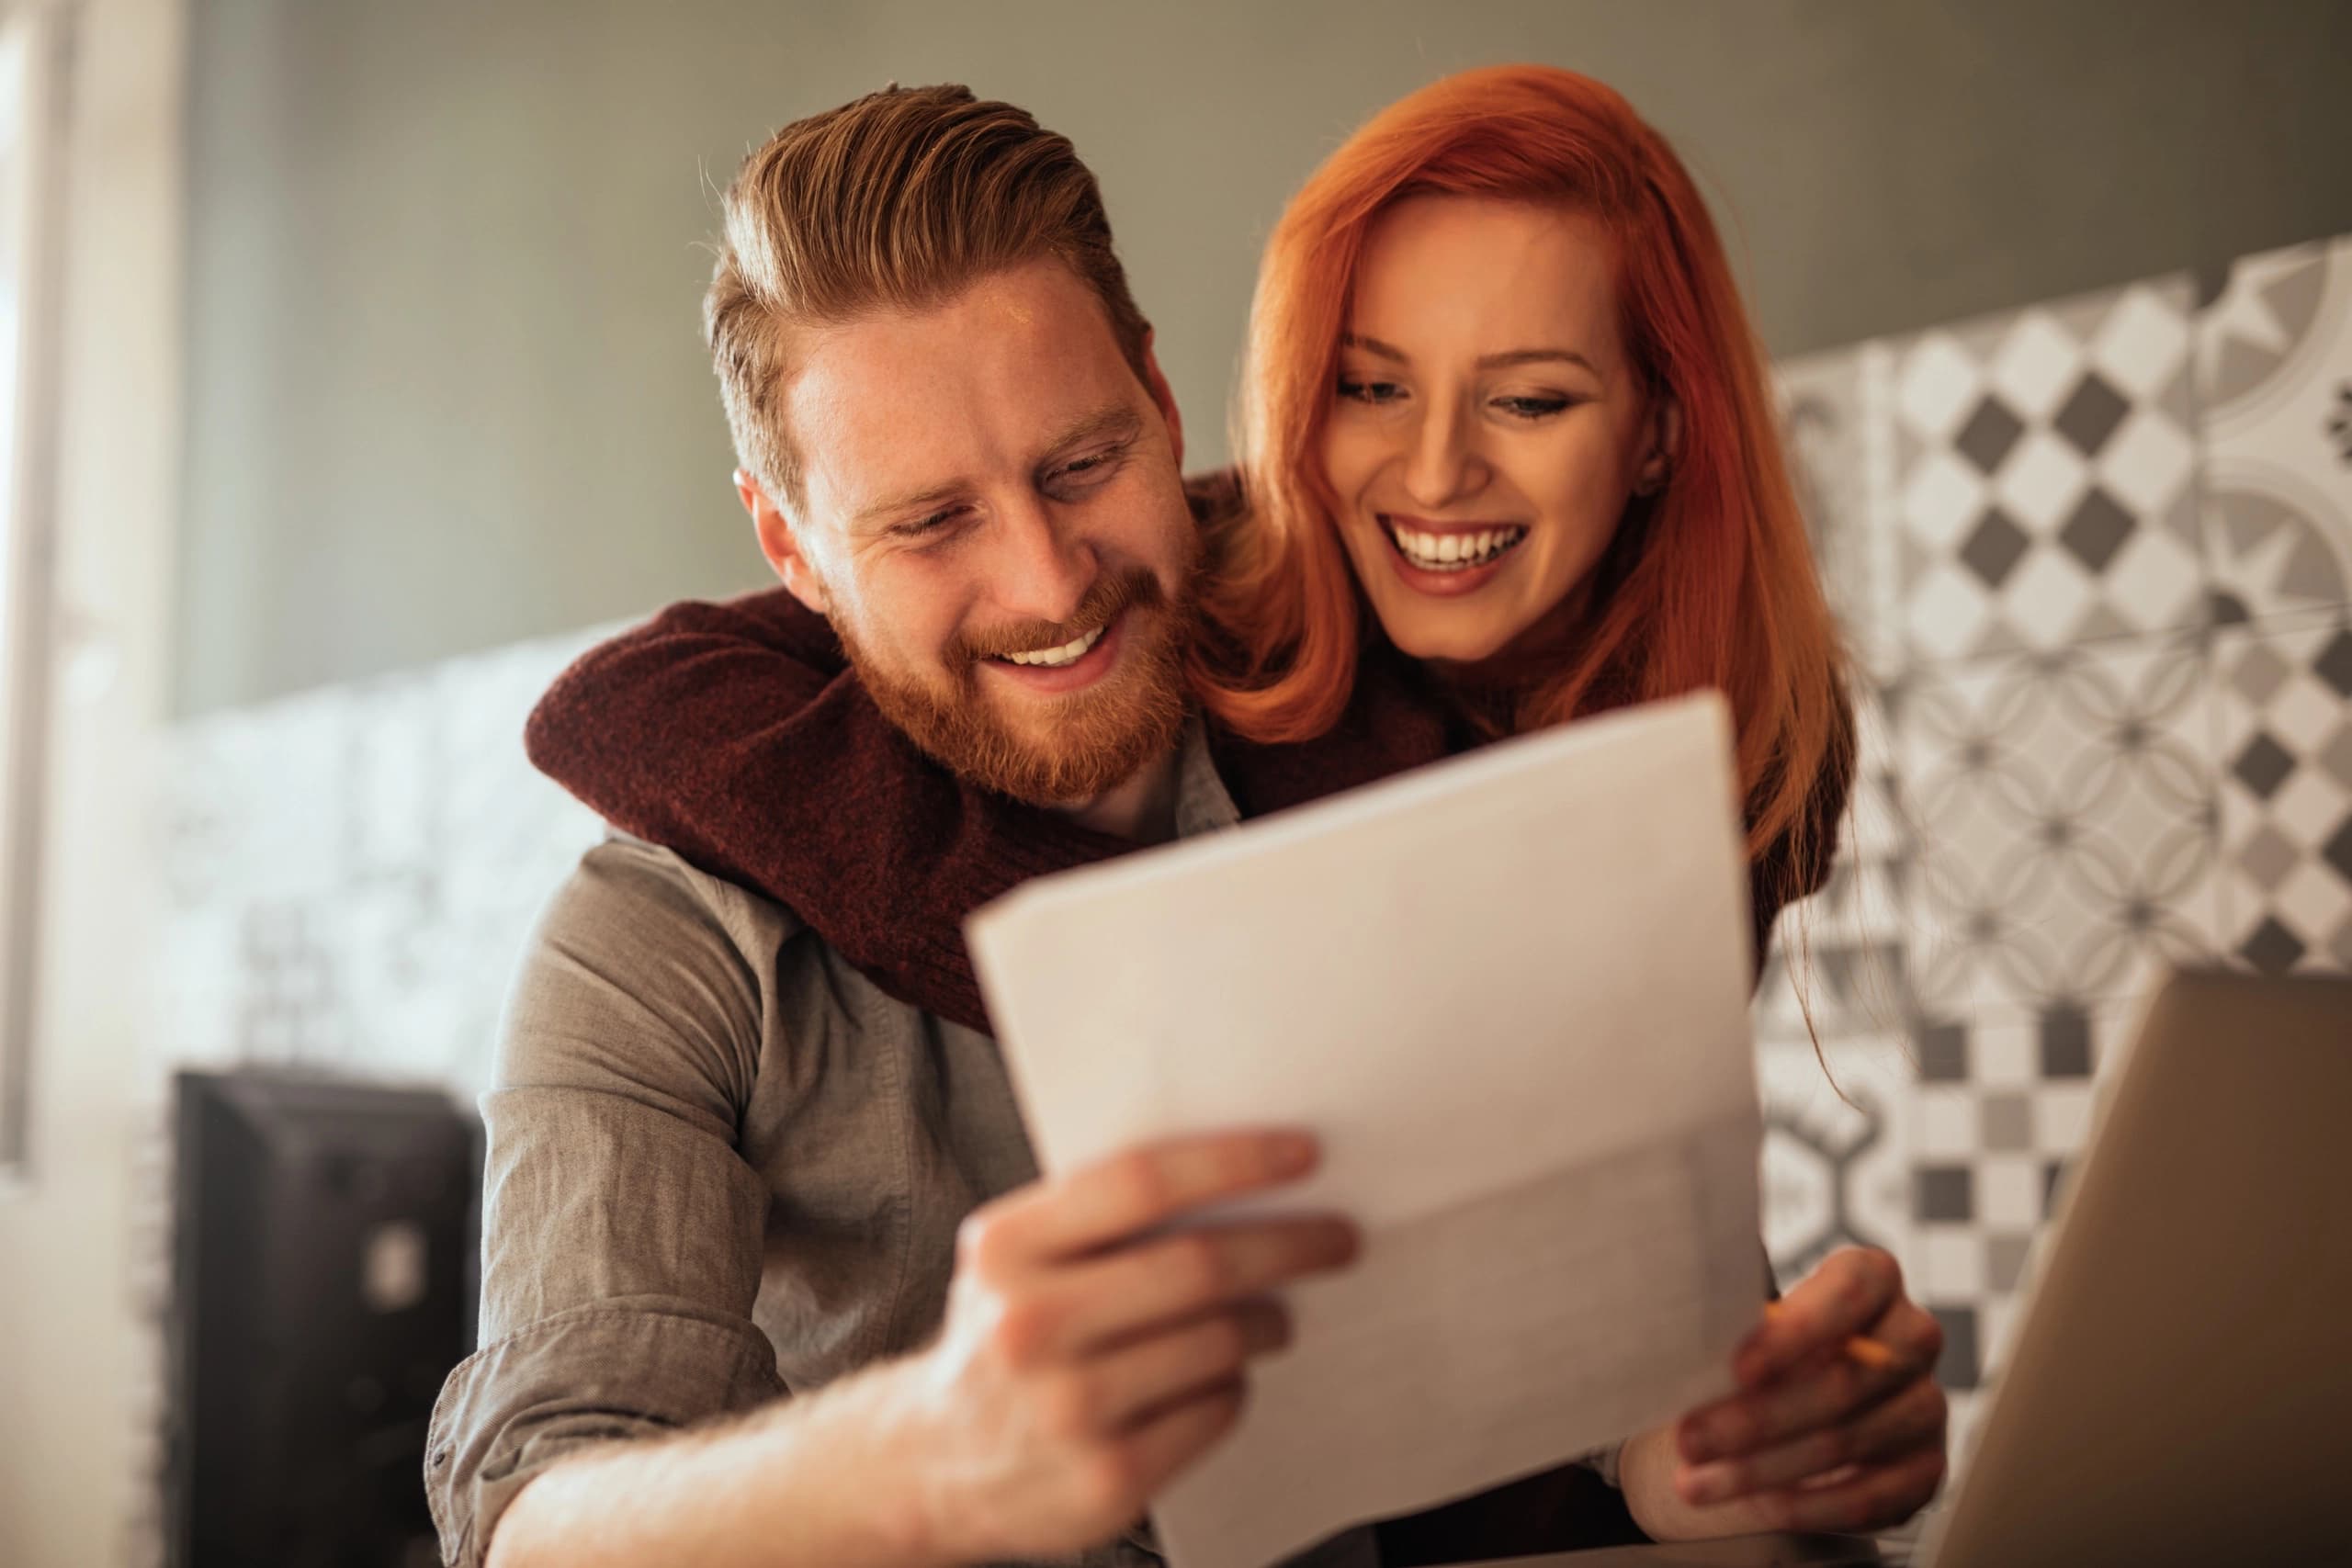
<point>443,387</point>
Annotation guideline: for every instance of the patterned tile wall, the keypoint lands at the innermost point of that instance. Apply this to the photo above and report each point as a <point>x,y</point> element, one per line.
<point>2274,355</point>
<point>2283,737</point>
<point>2102,591</point>
<point>2064,806</point>
<point>2043,463</point>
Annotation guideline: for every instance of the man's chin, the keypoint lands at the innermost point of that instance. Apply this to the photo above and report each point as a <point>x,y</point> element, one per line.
<point>1050,750</point>
<point>1065,751</point>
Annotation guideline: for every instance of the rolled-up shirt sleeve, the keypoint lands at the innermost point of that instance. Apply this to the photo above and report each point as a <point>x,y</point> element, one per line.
<point>621,1228</point>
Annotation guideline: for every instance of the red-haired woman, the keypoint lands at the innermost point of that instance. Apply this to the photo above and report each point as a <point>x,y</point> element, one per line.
<point>1502,390</point>
<point>1500,394</point>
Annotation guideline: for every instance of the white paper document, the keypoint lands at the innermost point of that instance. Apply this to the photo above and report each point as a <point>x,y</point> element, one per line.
<point>1509,993</point>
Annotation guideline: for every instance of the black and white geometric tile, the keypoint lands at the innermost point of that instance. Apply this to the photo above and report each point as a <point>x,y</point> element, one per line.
<point>1832,1069</point>
<point>2283,733</point>
<point>2066,806</point>
<point>2042,490</point>
<point>1839,448</point>
<point>2274,353</point>
<point>1836,1169</point>
<point>2000,1111</point>
<point>1837,968</point>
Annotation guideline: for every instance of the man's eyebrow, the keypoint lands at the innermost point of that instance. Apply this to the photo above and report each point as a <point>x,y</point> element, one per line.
<point>1502,361</point>
<point>1121,422</point>
<point>910,501</point>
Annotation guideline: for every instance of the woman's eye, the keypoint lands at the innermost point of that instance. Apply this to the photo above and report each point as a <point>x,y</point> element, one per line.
<point>1533,408</point>
<point>1370,391</point>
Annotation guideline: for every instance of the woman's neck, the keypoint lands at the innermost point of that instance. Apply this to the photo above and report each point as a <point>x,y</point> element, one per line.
<point>1492,690</point>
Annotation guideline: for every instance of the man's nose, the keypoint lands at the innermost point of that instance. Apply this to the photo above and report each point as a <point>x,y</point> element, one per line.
<point>1442,464</point>
<point>1043,569</point>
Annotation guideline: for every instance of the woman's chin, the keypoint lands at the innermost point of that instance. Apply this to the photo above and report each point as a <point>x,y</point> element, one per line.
<point>1469,640</point>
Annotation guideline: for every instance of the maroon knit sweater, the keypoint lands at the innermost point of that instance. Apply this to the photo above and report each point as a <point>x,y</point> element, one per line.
<point>736,734</point>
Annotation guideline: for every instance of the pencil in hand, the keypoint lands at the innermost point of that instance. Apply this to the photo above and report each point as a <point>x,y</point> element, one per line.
<point>1866,1350</point>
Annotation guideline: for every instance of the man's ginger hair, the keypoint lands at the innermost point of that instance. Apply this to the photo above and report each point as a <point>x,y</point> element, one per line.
<point>898,200</point>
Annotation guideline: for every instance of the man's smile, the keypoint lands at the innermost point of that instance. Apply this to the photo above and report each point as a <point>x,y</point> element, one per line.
<point>1072,667</point>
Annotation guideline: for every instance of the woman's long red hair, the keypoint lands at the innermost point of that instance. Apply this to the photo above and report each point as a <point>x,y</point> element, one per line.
<point>1710,583</point>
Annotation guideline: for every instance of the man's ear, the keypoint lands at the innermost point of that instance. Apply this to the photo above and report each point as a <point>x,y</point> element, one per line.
<point>1157,384</point>
<point>778,544</point>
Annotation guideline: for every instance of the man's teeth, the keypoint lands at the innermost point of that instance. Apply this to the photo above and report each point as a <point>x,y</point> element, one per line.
<point>1454,552</point>
<point>1052,658</point>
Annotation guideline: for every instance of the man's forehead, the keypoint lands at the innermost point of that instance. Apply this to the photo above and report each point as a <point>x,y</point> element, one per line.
<point>993,377</point>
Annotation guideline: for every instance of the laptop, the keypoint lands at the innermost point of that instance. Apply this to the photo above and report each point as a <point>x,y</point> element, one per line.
<point>2180,1387</point>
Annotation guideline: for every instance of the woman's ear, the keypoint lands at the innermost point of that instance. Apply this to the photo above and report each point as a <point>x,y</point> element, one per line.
<point>1665,445</point>
<point>779,542</point>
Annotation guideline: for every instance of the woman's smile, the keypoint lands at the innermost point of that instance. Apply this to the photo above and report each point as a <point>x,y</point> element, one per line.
<point>1448,559</point>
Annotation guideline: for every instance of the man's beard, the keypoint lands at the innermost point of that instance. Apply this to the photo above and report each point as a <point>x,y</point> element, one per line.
<point>1099,738</point>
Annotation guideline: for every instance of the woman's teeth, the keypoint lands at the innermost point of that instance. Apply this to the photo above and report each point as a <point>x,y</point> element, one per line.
<point>1454,552</point>
<point>1054,657</point>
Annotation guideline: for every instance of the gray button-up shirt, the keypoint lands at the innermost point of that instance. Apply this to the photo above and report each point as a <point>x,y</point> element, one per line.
<point>724,1168</point>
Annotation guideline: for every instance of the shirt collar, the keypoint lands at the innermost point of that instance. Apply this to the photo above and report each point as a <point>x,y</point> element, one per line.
<point>1203,803</point>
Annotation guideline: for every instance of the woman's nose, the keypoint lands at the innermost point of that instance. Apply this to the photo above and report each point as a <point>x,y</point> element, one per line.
<point>1442,467</point>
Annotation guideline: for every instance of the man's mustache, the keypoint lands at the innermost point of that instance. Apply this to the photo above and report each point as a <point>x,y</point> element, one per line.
<point>1112,596</point>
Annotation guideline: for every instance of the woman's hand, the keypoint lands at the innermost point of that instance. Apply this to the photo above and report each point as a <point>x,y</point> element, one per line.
<point>1823,1435</point>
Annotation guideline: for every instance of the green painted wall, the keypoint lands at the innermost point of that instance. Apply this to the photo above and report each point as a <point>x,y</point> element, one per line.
<point>444,383</point>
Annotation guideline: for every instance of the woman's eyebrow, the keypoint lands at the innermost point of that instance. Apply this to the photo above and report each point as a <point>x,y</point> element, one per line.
<point>1374,347</point>
<point>1501,361</point>
<point>1509,358</point>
